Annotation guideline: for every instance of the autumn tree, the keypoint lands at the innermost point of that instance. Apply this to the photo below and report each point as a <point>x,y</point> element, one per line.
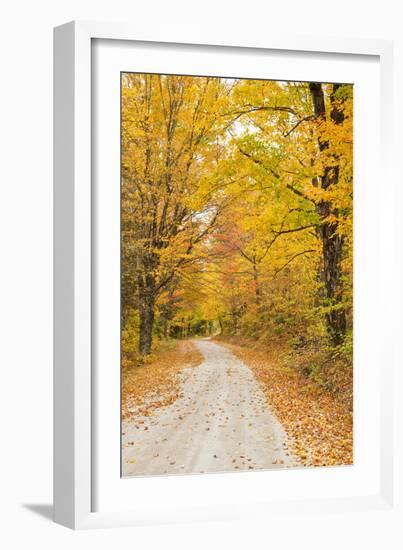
<point>331,236</point>
<point>171,129</point>
<point>296,143</point>
<point>236,207</point>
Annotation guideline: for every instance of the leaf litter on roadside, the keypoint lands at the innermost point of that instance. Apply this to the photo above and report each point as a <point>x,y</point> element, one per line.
<point>319,423</point>
<point>156,383</point>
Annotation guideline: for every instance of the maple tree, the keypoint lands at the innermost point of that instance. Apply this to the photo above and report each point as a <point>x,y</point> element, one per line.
<point>170,139</point>
<point>236,210</point>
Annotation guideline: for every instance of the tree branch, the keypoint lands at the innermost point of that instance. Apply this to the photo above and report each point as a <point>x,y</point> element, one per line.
<point>310,117</point>
<point>282,231</point>
<point>290,260</point>
<point>258,162</point>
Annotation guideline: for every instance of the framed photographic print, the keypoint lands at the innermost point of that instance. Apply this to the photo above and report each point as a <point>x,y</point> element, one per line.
<point>219,229</point>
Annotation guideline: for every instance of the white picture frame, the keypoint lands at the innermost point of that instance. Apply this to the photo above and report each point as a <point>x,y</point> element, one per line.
<point>75,390</point>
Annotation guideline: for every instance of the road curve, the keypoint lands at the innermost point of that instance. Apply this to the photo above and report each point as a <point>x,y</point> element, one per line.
<point>221,423</point>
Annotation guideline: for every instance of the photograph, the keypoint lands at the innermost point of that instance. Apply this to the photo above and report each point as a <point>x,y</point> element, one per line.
<point>236,274</point>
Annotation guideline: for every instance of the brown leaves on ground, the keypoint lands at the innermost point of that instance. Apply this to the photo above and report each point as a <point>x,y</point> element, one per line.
<point>156,383</point>
<point>319,422</point>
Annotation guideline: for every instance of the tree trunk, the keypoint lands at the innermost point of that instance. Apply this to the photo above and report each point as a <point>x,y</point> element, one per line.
<point>165,327</point>
<point>146,313</point>
<point>256,282</point>
<point>332,243</point>
<point>332,246</point>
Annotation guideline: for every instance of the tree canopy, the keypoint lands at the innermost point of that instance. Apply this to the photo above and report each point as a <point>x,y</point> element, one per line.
<point>236,209</point>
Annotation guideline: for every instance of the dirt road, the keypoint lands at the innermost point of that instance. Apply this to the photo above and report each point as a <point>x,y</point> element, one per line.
<point>222,423</point>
